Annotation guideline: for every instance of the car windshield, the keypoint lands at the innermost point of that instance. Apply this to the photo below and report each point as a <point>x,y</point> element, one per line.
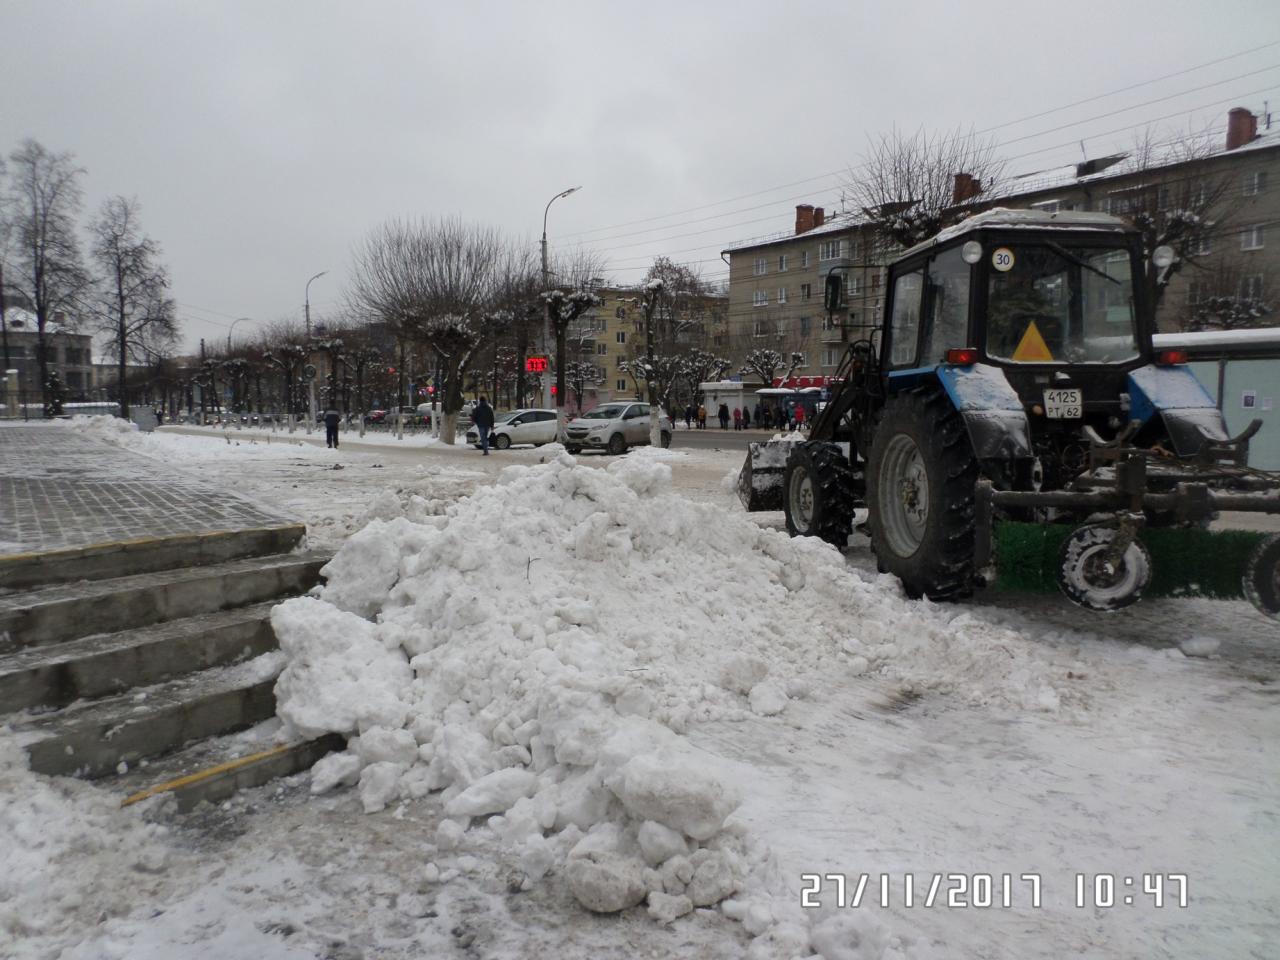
<point>1048,303</point>
<point>605,413</point>
<point>504,417</point>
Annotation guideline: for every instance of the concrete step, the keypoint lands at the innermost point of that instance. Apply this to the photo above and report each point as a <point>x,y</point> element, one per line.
<point>69,611</point>
<point>145,555</point>
<point>106,664</point>
<point>92,738</point>
<point>212,770</point>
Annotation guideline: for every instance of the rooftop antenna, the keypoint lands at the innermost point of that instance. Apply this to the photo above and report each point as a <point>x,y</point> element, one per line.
<point>1083,156</point>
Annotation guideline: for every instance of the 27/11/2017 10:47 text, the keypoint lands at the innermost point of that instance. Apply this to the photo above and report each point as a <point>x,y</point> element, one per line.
<point>985,890</point>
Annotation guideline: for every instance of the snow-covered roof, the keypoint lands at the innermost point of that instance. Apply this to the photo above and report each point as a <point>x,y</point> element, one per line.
<point>837,223</point>
<point>1005,218</point>
<point>20,320</point>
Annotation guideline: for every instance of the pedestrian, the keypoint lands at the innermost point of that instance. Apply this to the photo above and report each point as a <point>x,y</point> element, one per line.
<point>331,420</point>
<point>737,418</point>
<point>702,416</point>
<point>482,417</point>
<point>723,415</point>
<point>746,417</point>
<point>759,417</point>
<point>689,413</point>
<point>799,416</point>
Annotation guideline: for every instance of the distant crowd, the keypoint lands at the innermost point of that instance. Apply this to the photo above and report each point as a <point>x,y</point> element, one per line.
<point>763,417</point>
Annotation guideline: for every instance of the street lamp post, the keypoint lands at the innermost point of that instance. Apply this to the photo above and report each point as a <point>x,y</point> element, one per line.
<point>233,330</point>
<point>307,299</point>
<point>546,320</point>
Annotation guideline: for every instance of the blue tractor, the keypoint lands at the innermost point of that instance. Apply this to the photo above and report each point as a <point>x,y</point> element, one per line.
<point>1013,378</point>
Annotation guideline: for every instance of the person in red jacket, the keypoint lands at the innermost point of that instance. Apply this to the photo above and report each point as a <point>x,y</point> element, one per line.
<point>799,416</point>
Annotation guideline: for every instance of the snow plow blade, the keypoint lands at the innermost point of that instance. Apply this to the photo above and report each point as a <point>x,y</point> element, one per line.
<point>760,482</point>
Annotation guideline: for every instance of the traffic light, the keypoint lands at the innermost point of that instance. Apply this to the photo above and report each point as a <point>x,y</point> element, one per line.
<point>391,370</point>
<point>832,293</point>
<point>431,390</point>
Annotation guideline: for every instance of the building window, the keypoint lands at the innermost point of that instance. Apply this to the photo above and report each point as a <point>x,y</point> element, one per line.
<point>1047,206</point>
<point>855,285</point>
<point>620,313</point>
<point>619,360</point>
<point>762,266</point>
<point>1251,287</point>
<point>761,328</point>
<point>759,299</point>
<point>782,262</point>
<point>1255,183</point>
<point>782,294</point>
<point>800,360</point>
<point>622,386</point>
<point>806,323</point>
<point>780,327</point>
<point>806,291</point>
<point>875,280</point>
<point>828,356</point>
<point>855,249</point>
<point>804,258</point>
<point>1198,246</point>
<point>831,250</point>
<point>602,348</point>
<point>829,322</point>
<point>1195,292</point>
<point>1251,238</point>
<point>622,336</point>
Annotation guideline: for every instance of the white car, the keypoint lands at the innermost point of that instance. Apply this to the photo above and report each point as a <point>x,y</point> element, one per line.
<point>614,427</point>
<point>519,426</point>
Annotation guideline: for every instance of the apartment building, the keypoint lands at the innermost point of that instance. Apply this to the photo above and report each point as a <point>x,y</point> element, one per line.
<point>68,353</point>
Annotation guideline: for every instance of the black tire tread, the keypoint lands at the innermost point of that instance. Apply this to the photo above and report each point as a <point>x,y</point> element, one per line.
<point>835,489</point>
<point>942,569</point>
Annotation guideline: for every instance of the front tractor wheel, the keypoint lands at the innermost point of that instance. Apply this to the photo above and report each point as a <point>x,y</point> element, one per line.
<point>820,493</point>
<point>1090,576</point>
<point>920,483</point>
<point>1262,577</point>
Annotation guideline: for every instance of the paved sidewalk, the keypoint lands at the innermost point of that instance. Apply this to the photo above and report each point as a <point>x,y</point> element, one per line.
<point>60,490</point>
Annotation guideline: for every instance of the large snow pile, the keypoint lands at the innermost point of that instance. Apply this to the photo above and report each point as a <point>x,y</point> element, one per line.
<point>537,652</point>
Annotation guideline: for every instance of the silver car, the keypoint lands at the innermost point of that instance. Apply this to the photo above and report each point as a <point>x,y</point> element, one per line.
<point>614,427</point>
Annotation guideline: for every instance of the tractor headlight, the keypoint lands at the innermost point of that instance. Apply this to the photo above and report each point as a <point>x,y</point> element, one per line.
<point>1162,256</point>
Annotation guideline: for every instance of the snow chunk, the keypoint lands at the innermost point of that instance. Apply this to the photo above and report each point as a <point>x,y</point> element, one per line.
<point>493,793</point>
<point>334,769</point>
<point>1200,646</point>
<point>676,791</point>
<point>851,935</point>
<point>665,908</point>
<point>606,882</point>
<point>767,699</point>
<point>659,843</point>
<point>338,676</point>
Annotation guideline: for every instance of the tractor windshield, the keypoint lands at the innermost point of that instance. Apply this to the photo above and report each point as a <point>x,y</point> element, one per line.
<point>1049,303</point>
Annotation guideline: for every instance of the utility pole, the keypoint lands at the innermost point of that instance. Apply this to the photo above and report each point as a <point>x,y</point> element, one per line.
<point>4,327</point>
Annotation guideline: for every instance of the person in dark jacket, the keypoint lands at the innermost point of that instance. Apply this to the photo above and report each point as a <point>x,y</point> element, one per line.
<point>331,419</point>
<point>482,417</point>
<point>723,414</point>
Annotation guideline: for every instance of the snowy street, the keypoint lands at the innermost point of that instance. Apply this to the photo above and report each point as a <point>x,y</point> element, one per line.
<point>575,683</point>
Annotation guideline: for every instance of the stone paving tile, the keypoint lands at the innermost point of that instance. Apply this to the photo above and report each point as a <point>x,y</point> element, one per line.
<point>60,489</point>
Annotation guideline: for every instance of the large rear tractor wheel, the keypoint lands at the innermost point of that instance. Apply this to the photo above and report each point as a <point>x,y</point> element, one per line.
<point>1262,577</point>
<point>819,493</point>
<point>920,483</point>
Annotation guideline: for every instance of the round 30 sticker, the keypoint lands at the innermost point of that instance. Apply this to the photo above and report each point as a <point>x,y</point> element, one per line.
<point>1002,259</point>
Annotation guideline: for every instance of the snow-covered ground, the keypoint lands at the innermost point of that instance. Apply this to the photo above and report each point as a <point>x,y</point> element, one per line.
<point>597,683</point>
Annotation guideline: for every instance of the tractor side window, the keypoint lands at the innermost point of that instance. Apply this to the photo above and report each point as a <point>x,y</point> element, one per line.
<point>947,306</point>
<point>904,324</point>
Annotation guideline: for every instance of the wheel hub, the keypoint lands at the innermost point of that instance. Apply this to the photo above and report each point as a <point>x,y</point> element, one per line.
<point>906,482</point>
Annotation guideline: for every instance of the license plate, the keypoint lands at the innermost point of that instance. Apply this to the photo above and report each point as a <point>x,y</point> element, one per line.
<point>1063,405</point>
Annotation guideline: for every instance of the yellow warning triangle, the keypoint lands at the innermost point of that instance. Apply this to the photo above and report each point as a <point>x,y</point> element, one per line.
<point>1032,348</point>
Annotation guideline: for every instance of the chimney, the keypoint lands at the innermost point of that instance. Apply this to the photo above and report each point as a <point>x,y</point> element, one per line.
<point>966,188</point>
<point>804,218</point>
<point>819,216</point>
<point>1242,127</point>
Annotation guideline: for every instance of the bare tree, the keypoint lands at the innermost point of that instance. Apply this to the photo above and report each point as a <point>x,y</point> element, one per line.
<point>1177,200</point>
<point>906,184</point>
<point>133,305</point>
<point>437,284</point>
<point>43,202</point>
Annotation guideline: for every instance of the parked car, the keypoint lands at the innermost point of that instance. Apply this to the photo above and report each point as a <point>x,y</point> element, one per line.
<point>533,426</point>
<point>614,427</point>
<point>375,416</point>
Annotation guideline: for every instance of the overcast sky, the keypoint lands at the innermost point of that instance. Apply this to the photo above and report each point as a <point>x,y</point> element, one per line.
<point>264,139</point>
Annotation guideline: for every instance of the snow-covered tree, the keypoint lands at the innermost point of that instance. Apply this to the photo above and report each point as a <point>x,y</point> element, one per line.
<point>765,364</point>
